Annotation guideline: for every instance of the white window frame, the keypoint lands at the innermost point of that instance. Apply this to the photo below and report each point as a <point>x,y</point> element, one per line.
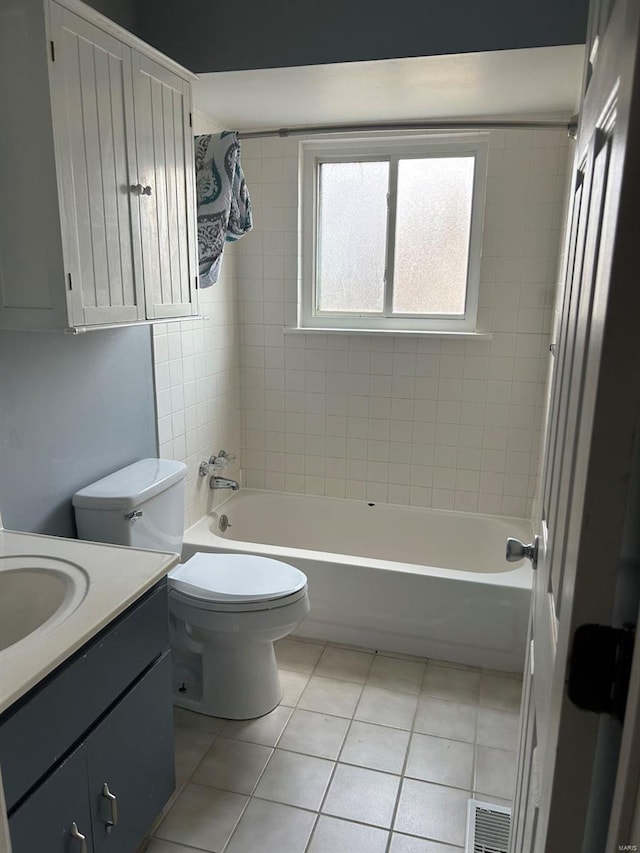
<point>315,152</point>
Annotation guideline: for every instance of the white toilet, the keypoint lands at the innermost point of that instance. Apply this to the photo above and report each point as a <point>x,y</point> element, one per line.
<point>225,610</point>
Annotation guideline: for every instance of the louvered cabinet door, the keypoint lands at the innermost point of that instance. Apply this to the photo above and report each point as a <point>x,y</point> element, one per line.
<point>164,144</point>
<point>91,87</point>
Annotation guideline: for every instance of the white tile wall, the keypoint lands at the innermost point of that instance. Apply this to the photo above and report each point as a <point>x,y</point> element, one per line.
<point>198,388</point>
<point>197,378</point>
<point>427,422</point>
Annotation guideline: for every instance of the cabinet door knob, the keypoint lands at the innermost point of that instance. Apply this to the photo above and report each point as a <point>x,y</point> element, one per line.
<point>139,189</point>
<point>112,801</point>
<point>74,832</point>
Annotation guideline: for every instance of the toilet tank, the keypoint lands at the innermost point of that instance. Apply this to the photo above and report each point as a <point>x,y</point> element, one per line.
<point>141,505</point>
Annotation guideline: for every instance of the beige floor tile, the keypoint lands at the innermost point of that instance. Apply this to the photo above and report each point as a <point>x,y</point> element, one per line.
<point>358,706</point>
<point>375,747</point>
<point>189,747</point>
<point>436,759</point>
<point>314,734</point>
<point>488,798</point>
<point>272,828</point>
<point>517,676</point>
<point>447,682</point>
<point>265,730</point>
<point>233,765</point>
<point>202,722</point>
<point>498,728</point>
<point>297,655</point>
<point>445,719</point>
<point>495,772</point>
<point>330,696</point>
<point>396,674</point>
<point>501,692</point>
<point>344,664</point>
<point>332,835</point>
<point>158,846</point>
<point>362,795</point>
<point>386,707</point>
<point>202,817</point>
<point>410,844</point>
<point>293,683</point>
<point>295,780</point>
<point>432,811</point>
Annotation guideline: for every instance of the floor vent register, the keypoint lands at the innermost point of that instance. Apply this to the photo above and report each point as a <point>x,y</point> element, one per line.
<point>487,828</point>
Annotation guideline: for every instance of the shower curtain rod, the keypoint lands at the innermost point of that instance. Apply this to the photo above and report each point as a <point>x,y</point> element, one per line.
<point>570,126</point>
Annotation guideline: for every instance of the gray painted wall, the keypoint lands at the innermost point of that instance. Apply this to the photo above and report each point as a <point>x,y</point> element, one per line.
<point>72,409</point>
<point>208,35</point>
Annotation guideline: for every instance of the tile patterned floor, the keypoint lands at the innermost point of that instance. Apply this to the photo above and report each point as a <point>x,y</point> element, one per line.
<point>367,753</point>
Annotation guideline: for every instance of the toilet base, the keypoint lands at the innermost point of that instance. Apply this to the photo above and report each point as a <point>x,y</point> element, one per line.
<point>235,681</point>
<point>224,660</point>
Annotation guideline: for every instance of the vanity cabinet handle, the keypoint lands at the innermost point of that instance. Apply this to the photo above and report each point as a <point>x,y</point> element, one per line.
<point>112,802</point>
<point>74,832</point>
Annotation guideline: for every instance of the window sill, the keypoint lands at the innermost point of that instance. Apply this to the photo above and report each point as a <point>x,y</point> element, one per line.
<point>407,333</point>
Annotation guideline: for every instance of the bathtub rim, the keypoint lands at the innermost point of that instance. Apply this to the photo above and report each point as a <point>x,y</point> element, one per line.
<point>203,535</point>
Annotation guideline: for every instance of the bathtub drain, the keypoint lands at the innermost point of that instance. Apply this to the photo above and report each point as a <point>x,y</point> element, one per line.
<point>223,523</point>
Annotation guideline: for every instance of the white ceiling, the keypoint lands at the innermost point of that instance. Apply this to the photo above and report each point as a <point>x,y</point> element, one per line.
<point>543,81</point>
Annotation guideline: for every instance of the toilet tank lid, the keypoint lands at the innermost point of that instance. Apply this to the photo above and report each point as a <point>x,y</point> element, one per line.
<point>131,485</point>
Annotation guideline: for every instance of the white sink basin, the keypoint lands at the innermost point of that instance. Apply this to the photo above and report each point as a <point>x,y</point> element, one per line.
<point>37,593</point>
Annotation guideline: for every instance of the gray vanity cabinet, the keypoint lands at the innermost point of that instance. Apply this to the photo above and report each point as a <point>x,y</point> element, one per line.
<point>90,752</point>
<point>42,825</point>
<point>128,752</point>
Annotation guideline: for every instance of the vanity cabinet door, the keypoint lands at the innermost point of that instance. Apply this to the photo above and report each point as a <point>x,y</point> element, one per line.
<point>164,146</point>
<point>91,89</point>
<point>131,752</point>
<point>44,822</point>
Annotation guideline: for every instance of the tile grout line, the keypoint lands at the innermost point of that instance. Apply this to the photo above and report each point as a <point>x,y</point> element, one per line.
<point>335,763</point>
<point>317,818</point>
<point>405,762</point>
<point>273,750</point>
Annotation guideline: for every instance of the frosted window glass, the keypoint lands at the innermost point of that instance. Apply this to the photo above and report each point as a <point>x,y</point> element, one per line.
<point>352,228</point>
<point>432,235</point>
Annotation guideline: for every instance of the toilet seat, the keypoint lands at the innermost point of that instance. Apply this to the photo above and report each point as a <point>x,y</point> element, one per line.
<point>195,603</point>
<point>237,582</point>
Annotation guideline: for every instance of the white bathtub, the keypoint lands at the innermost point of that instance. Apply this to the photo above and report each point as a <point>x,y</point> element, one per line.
<point>418,581</point>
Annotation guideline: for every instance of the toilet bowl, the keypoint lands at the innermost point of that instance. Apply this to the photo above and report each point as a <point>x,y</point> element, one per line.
<point>225,613</point>
<point>225,610</point>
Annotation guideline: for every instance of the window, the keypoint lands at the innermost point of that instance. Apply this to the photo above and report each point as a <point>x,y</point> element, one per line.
<point>391,233</point>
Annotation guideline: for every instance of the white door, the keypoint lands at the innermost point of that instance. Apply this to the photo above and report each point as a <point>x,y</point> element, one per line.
<point>91,89</point>
<point>164,141</point>
<point>568,755</point>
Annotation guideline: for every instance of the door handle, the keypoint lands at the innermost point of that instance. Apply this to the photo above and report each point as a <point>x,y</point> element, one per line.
<point>74,832</point>
<point>516,551</point>
<point>112,802</point>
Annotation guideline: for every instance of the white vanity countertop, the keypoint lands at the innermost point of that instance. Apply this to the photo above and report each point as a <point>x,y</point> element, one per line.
<point>116,575</point>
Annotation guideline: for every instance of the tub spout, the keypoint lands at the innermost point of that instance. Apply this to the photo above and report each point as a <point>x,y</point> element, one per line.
<point>223,483</point>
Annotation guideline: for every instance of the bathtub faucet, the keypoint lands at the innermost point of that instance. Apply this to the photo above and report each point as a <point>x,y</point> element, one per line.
<point>216,463</point>
<point>223,483</point>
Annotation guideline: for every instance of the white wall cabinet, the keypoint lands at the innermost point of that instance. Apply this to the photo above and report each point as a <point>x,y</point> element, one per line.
<point>97,225</point>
